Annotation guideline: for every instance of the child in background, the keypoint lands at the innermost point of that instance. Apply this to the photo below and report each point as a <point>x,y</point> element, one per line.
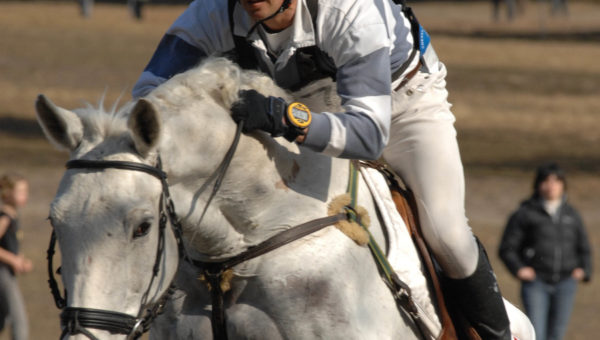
<point>14,193</point>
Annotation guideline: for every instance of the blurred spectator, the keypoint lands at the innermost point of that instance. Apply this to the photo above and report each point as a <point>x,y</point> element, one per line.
<point>546,247</point>
<point>510,9</point>
<point>135,8</point>
<point>14,193</point>
<point>559,7</point>
<point>86,7</point>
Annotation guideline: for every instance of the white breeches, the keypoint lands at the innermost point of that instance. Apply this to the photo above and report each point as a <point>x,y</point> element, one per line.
<point>423,150</point>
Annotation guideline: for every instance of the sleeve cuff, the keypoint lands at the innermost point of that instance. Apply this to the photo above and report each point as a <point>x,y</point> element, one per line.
<point>145,84</point>
<point>319,132</point>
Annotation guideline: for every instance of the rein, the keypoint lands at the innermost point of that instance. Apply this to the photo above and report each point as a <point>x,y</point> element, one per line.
<point>214,271</point>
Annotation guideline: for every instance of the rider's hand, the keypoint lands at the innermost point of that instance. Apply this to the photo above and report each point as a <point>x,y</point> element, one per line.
<point>271,114</point>
<point>260,112</point>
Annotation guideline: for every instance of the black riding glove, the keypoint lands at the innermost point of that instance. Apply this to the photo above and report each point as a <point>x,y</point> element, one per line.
<point>259,112</point>
<point>264,113</point>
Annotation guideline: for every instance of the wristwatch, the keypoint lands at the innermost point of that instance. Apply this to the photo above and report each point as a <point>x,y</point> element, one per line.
<point>298,115</point>
<point>298,118</point>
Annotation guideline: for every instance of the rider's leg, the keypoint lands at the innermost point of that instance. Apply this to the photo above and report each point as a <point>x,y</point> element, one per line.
<point>423,150</point>
<point>478,296</point>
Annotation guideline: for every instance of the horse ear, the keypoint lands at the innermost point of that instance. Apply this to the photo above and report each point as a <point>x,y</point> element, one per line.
<point>63,128</point>
<point>144,123</point>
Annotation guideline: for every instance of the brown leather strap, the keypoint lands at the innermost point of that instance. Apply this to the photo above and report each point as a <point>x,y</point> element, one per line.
<point>406,205</point>
<point>409,76</point>
<point>272,243</point>
<point>214,270</point>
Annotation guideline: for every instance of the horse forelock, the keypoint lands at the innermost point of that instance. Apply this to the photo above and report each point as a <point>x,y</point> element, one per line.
<point>100,123</point>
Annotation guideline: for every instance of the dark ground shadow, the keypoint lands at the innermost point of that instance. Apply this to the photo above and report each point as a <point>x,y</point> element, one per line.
<point>20,127</point>
<point>579,165</point>
<point>582,36</point>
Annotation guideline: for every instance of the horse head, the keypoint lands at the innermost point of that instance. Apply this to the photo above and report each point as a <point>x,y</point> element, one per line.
<point>118,259</point>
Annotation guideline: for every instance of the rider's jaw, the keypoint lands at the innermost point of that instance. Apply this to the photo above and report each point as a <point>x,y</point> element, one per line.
<point>261,9</point>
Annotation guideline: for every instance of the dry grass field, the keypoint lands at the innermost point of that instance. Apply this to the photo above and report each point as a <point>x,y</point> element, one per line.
<point>523,92</point>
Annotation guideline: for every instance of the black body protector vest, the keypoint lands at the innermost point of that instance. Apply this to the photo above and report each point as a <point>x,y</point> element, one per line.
<point>308,63</point>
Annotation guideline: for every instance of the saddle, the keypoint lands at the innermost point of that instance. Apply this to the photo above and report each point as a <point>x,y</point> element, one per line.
<point>454,324</point>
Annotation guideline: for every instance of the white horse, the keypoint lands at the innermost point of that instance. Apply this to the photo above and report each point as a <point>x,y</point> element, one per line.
<point>321,286</point>
<point>107,222</point>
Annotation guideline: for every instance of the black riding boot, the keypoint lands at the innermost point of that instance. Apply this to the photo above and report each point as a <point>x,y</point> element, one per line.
<point>478,298</point>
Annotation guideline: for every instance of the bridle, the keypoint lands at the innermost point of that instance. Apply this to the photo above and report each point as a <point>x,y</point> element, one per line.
<point>76,320</point>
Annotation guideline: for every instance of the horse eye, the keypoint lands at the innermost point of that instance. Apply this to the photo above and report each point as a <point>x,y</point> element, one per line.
<point>142,229</point>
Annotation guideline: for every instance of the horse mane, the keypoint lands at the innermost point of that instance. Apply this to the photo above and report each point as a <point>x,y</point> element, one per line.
<point>215,78</point>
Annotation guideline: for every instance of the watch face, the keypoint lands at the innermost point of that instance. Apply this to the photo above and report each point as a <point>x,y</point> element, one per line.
<point>299,115</point>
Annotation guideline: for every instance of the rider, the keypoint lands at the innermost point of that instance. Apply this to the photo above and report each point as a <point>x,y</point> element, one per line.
<point>393,91</point>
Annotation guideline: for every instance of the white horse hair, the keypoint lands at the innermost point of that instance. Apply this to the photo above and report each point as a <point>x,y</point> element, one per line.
<point>321,286</point>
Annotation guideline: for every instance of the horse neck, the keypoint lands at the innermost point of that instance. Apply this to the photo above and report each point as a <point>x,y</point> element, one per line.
<point>284,185</point>
<point>270,186</point>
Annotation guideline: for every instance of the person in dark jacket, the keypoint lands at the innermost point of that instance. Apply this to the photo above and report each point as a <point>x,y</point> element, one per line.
<point>545,245</point>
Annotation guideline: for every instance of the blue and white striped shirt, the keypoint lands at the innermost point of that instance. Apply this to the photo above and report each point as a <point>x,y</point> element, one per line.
<point>366,39</point>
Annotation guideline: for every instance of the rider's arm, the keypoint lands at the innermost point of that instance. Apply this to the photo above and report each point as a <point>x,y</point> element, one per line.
<point>359,44</point>
<point>201,30</point>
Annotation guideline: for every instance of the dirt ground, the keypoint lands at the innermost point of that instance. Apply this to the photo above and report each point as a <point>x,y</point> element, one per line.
<point>523,92</point>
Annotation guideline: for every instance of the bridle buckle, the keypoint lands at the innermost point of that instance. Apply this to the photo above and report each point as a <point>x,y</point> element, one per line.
<point>137,330</point>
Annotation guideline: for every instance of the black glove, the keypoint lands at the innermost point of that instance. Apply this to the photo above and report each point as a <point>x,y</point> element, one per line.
<point>260,112</point>
<point>264,113</point>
